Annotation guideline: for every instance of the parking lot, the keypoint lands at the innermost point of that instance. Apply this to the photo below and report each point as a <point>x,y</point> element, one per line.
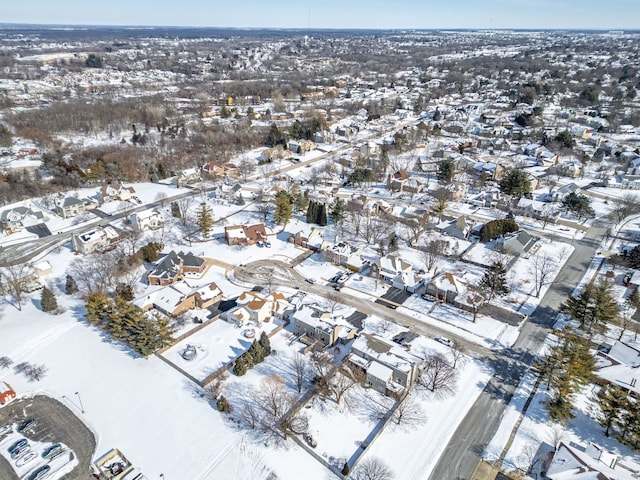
<point>55,423</point>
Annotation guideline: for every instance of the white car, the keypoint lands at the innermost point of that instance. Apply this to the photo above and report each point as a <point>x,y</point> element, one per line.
<point>22,461</point>
<point>6,429</point>
<point>445,341</point>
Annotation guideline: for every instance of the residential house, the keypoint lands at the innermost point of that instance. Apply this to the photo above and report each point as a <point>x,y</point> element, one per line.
<point>70,207</point>
<point>518,243</point>
<point>396,271</point>
<point>6,393</point>
<point>301,146</point>
<point>245,234</point>
<point>274,154</point>
<point>17,218</point>
<point>620,365</point>
<point>305,235</point>
<point>113,192</point>
<point>256,307</point>
<point>96,240</point>
<point>42,268</point>
<point>316,324</point>
<point>174,266</point>
<point>458,228</point>
<point>576,462</point>
<point>455,291</point>
<point>401,181</point>
<point>179,297</point>
<point>187,177</point>
<point>536,209</point>
<point>341,253</point>
<point>213,170</point>
<point>146,220</point>
<point>388,366</point>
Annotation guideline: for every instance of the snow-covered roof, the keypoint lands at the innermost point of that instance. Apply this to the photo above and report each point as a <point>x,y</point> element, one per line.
<point>572,462</point>
<point>386,352</point>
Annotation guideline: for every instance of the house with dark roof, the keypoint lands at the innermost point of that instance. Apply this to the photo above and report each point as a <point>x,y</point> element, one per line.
<point>455,291</point>
<point>389,368</point>
<point>16,218</point>
<point>577,462</point>
<point>518,243</point>
<point>456,228</point>
<point>70,207</point>
<point>173,266</point>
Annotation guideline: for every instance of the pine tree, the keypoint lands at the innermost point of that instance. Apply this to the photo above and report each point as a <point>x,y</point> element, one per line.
<point>321,218</point>
<point>71,286</point>
<point>240,367</point>
<point>146,340</point>
<point>48,301</point>
<point>265,343</point>
<point>446,171</point>
<point>612,401</point>
<point>337,210</point>
<point>284,208</point>
<point>256,352</point>
<point>204,220</point>
<point>222,404</point>
<point>98,307</point>
<point>175,210</point>
<point>494,281</point>
<point>595,307</point>
<point>345,469</point>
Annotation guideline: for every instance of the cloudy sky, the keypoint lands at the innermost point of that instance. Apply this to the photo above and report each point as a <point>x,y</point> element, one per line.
<point>577,14</point>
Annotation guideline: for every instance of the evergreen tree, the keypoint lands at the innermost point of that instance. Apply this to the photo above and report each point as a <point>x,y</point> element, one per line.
<point>612,401</point>
<point>311,211</point>
<point>48,301</point>
<point>579,204</point>
<point>204,220</point>
<point>150,251</point>
<point>240,366</point>
<point>494,281</point>
<point>321,218</point>
<point>338,211</point>
<point>70,286</point>
<point>146,338</point>
<point>446,171</point>
<point>567,368</point>
<point>265,343</point>
<point>633,257</point>
<point>594,308</point>
<point>284,208</point>
<point>175,210</point>
<point>222,404</point>
<point>516,183</point>
<point>345,469</point>
<point>98,307</point>
<point>497,228</point>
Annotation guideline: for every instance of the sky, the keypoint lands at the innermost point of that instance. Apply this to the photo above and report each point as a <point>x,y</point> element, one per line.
<point>398,14</point>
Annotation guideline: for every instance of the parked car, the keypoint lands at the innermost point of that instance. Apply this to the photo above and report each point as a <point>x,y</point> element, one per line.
<point>445,341</point>
<point>27,424</point>
<point>40,472</point>
<point>6,429</point>
<point>20,451</point>
<point>20,443</point>
<point>267,244</point>
<point>29,457</point>
<point>52,451</point>
<point>310,280</point>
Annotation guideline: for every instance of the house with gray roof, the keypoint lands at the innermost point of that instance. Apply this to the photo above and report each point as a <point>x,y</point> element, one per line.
<point>173,266</point>
<point>518,243</point>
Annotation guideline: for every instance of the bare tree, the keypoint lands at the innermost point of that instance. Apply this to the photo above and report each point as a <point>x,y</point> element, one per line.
<point>161,199</point>
<point>557,436</point>
<point>409,412</point>
<point>250,414</point>
<point>543,267</point>
<point>372,469</point>
<point>322,364</point>
<point>438,375</point>
<point>245,168</point>
<point>184,205</point>
<point>458,356</point>
<point>527,458</point>
<point>417,225</point>
<point>16,279</point>
<point>36,372</point>
<point>274,399</point>
<point>332,301</point>
<point>300,368</point>
<point>343,380</point>
<point>94,273</point>
<point>432,252</point>
<point>5,362</point>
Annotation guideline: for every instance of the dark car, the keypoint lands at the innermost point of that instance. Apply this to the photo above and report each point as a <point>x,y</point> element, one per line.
<point>20,451</point>
<point>27,424</point>
<point>52,451</point>
<point>40,472</point>
<point>20,443</point>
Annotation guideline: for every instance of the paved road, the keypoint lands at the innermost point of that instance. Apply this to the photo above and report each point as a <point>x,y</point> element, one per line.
<point>275,272</point>
<point>463,453</point>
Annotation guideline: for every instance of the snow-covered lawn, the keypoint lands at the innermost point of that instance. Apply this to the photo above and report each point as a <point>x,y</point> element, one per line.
<point>216,345</point>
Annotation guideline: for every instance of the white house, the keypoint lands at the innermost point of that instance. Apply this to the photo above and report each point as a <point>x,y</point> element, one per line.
<point>146,220</point>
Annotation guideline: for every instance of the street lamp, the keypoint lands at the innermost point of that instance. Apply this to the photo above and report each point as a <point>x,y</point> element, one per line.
<point>80,401</point>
